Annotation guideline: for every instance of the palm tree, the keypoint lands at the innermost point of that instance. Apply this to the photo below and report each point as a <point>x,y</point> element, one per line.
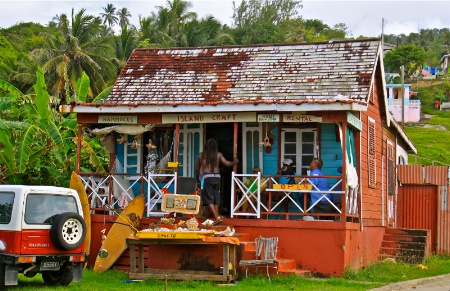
<point>206,32</point>
<point>124,17</point>
<point>126,42</point>
<point>110,15</point>
<point>18,70</point>
<point>170,22</point>
<point>76,48</point>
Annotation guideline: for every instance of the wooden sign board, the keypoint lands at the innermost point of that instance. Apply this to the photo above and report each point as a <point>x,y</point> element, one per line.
<point>186,204</point>
<point>292,187</point>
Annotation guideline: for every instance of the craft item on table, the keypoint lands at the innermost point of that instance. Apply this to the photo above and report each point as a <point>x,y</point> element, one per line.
<point>208,222</point>
<point>226,232</point>
<point>165,220</point>
<point>192,224</point>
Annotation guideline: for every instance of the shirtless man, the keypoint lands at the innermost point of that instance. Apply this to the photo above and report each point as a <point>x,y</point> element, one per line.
<point>207,165</point>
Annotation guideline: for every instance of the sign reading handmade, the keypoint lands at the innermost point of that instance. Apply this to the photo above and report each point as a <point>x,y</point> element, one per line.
<point>186,204</point>
<point>292,187</point>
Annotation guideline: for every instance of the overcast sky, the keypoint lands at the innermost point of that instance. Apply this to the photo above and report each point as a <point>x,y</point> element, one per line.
<point>362,17</point>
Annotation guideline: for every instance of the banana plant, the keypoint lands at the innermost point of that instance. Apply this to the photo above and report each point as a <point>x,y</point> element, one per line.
<point>36,141</point>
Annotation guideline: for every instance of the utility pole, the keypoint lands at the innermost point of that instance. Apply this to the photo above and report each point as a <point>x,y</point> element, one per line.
<point>403,96</point>
<point>382,34</point>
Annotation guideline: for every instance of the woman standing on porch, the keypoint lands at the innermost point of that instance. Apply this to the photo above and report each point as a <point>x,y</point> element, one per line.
<point>208,163</point>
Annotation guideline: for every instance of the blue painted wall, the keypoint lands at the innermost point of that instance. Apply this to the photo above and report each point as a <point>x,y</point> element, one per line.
<point>270,161</point>
<point>331,153</point>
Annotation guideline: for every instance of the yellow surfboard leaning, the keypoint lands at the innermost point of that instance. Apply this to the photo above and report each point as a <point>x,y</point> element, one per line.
<point>77,185</point>
<point>115,242</point>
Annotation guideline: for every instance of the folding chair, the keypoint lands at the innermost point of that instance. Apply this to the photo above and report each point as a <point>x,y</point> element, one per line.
<point>266,255</point>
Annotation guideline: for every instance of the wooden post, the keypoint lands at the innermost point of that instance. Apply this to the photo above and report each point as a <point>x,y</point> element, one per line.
<point>344,172</point>
<point>78,160</point>
<point>176,142</point>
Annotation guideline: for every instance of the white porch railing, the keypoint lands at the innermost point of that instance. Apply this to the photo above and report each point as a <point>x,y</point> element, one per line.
<point>115,191</point>
<point>155,191</point>
<point>256,207</point>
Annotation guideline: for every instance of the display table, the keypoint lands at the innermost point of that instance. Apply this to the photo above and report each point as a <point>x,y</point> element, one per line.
<point>229,260</point>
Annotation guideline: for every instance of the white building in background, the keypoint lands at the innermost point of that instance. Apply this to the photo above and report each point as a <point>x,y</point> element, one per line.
<point>412,107</point>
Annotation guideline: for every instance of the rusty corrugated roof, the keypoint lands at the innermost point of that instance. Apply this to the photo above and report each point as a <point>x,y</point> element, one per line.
<point>324,72</point>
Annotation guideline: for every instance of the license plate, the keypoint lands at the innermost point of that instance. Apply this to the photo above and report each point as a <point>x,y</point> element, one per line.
<point>49,266</point>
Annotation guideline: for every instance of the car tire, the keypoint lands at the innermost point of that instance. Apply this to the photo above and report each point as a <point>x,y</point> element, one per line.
<point>62,277</point>
<point>68,231</point>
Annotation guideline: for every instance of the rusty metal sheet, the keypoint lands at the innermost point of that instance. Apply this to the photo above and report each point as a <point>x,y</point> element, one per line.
<point>423,175</point>
<point>436,175</point>
<point>443,221</point>
<point>410,174</point>
<point>418,209</point>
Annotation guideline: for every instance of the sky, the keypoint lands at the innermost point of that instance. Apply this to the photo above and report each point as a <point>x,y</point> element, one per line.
<point>362,17</point>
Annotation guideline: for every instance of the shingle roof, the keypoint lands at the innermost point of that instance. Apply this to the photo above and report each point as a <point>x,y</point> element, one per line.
<point>325,72</point>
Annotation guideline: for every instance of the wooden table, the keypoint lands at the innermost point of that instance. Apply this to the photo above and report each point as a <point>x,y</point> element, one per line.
<point>229,256</point>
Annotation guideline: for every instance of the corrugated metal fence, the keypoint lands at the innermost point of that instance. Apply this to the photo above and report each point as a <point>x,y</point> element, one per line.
<point>423,195</point>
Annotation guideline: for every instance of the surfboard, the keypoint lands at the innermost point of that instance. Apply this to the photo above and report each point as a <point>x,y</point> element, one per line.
<point>115,242</point>
<point>77,185</point>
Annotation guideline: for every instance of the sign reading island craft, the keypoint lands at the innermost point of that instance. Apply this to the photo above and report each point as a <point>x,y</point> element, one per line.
<point>186,204</point>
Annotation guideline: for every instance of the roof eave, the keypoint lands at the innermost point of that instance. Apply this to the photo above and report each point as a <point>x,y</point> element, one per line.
<point>121,109</point>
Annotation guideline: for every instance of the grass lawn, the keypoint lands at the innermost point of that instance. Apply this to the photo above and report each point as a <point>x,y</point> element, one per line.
<point>373,276</point>
<point>431,136</point>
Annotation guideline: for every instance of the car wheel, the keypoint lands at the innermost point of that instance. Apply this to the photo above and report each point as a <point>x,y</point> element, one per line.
<point>68,231</point>
<point>62,277</point>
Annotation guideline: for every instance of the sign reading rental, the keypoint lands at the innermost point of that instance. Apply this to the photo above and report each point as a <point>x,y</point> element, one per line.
<point>301,118</point>
<point>124,119</point>
<point>209,117</point>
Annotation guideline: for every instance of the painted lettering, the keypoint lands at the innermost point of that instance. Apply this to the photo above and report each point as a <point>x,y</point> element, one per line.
<point>190,118</point>
<point>223,117</point>
<point>302,118</point>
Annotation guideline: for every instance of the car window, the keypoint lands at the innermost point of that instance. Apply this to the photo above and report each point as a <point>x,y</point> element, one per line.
<point>42,208</point>
<point>6,204</point>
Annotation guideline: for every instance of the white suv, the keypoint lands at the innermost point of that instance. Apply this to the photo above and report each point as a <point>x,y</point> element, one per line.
<point>42,230</point>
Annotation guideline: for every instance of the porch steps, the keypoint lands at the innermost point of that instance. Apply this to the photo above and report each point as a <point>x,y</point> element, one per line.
<point>404,245</point>
<point>285,266</point>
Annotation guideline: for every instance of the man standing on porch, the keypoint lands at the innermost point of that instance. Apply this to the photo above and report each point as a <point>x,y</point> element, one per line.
<point>208,163</point>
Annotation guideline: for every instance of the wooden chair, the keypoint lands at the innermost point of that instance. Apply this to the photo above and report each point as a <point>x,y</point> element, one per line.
<point>266,255</point>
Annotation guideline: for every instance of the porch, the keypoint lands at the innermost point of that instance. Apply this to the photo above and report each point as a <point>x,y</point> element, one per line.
<point>309,240</point>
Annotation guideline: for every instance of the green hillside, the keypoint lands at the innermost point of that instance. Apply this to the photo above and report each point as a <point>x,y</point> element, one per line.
<point>432,135</point>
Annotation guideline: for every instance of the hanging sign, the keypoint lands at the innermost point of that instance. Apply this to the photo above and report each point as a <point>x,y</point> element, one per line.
<point>118,119</point>
<point>268,117</point>
<point>302,118</point>
<point>354,121</point>
<point>209,117</point>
